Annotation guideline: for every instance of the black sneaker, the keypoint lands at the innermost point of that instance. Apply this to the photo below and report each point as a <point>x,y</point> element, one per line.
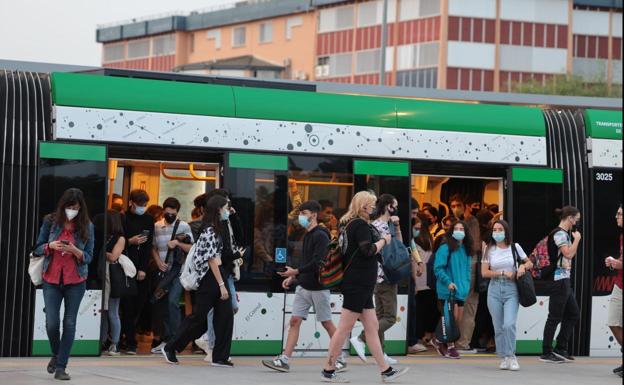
<point>131,351</point>
<point>563,354</point>
<point>618,370</point>
<point>222,364</point>
<point>52,365</point>
<point>170,356</point>
<point>393,374</point>
<point>62,375</point>
<point>551,358</point>
<point>333,377</point>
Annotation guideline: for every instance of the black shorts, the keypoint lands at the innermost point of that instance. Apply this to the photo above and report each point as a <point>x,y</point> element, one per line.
<point>357,298</point>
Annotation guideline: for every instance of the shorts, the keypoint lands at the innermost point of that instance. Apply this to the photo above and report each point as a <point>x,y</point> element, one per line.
<point>615,307</point>
<point>305,299</point>
<point>358,298</point>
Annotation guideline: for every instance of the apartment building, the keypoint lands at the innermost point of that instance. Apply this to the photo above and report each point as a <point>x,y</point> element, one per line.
<point>480,45</point>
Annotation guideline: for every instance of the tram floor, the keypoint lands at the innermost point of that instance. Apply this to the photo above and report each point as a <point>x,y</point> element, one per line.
<point>152,370</point>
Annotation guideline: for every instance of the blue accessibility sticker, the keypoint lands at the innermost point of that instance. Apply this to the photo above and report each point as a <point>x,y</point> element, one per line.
<point>280,255</point>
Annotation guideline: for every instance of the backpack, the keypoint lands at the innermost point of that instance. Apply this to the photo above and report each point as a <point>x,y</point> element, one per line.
<point>397,263</point>
<point>189,276</point>
<point>331,267</point>
<point>540,257</point>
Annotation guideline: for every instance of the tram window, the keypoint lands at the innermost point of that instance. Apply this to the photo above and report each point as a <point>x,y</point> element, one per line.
<point>328,181</point>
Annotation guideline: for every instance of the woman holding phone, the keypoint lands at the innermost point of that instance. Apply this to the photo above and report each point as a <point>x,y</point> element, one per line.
<point>66,241</point>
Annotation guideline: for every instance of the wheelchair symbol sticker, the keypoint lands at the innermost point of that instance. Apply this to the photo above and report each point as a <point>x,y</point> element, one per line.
<point>280,255</point>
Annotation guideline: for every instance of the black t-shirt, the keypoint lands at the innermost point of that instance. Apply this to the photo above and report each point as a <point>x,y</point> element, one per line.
<point>314,249</point>
<point>362,254</point>
<point>134,225</point>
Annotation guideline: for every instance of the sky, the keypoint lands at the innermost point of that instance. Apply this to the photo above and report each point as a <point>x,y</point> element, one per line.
<point>63,31</point>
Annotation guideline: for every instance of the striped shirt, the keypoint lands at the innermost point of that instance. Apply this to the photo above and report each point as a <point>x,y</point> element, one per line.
<point>162,235</point>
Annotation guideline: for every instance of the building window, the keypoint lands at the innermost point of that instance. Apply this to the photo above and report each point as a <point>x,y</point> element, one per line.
<point>164,45</point>
<point>238,37</point>
<point>192,42</point>
<point>292,22</point>
<point>335,19</point>
<point>367,14</point>
<point>367,61</point>
<point>114,52</point>
<point>418,55</point>
<point>340,65</point>
<point>214,34</point>
<point>138,49</point>
<point>266,32</point>
<point>415,9</point>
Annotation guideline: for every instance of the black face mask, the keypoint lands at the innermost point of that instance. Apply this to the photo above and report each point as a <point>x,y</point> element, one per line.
<point>169,217</point>
<point>392,210</point>
<point>474,212</point>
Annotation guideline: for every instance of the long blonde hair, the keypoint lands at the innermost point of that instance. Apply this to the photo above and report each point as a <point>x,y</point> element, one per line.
<point>356,207</point>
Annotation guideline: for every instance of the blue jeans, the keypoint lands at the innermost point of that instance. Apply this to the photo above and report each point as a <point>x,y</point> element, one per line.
<point>173,318</point>
<point>113,319</point>
<point>71,296</point>
<point>210,334</point>
<point>502,300</point>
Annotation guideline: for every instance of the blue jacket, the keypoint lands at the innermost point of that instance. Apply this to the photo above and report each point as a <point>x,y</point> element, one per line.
<point>50,231</point>
<point>457,266</point>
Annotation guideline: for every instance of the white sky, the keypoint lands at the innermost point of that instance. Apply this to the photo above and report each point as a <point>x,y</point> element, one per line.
<point>63,31</point>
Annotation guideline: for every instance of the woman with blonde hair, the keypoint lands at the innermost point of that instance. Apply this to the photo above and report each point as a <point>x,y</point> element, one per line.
<point>362,250</point>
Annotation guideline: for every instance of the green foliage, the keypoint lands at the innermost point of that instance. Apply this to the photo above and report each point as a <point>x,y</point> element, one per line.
<point>569,85</point>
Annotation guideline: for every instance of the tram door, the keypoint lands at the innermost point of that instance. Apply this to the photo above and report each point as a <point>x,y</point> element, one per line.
<point>382,177</point>
<point>533,194</point>
<point>63,166</point>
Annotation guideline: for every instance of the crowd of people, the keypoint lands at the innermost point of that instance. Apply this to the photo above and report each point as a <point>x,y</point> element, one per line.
<point>467,257</point>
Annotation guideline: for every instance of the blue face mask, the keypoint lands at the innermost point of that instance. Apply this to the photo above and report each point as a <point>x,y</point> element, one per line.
<point>303,221</point>
<point>139,210</point>
<point>415,233</point>
<point>499,236</point>
<point>225,214</point>
<point>459,235</point>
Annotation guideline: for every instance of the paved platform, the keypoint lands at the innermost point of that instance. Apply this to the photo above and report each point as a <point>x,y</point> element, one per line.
<point>152,370</point>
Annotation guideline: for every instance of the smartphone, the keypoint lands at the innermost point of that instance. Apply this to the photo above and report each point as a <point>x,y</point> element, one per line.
<point>145,233</point>
<point>65,242</point>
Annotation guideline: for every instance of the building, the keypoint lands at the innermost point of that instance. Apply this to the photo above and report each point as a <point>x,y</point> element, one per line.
<point>479,45</point>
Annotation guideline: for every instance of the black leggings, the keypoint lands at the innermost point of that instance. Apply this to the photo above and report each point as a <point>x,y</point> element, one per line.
<point>208,296</point>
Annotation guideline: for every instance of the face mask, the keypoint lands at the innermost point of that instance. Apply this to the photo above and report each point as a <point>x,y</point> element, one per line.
<point>373,213</point>
<point>459,235</point>
<point>458,212</point>
<point>392,210</point>
<point>499,236</point>
<point>71,214</point>
<point>139,210</point>
<point>415,233</point>
<point>303,221</point>
<point>225,214</point>
<point>169,217</point>
<point>474,212</point>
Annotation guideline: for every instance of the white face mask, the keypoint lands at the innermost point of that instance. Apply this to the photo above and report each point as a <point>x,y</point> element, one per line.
<point>71,214</point>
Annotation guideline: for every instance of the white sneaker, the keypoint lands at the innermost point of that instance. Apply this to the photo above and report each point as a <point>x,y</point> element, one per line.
<point>202,344</point>
<point>390,360</point>
<point>208,357</point>
<point>158,349</point>
<point>513,364</point>
<point>359,347</point>
<point>416,348</point>
<point>504,365</point>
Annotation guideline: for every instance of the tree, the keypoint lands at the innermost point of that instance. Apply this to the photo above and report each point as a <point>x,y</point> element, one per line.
<point>569,85</point>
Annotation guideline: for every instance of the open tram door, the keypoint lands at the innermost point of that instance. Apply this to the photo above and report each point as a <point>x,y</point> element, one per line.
<point>63,166</point>
<point>383,177</point>
<point>533,195</point>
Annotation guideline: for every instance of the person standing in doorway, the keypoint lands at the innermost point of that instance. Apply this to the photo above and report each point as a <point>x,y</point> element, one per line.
<point>139,232</point>
<point>309,293</point>
<point>562,307</point>
<point>66,241</point>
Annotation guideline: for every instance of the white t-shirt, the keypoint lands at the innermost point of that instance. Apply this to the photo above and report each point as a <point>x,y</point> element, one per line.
<point>502,259</point>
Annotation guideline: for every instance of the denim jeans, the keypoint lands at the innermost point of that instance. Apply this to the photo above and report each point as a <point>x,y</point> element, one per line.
<point>209,336</point>
<point>113,319</point>
<point>70,296</point>
<point>502,300</point>
<point>172,318</point>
